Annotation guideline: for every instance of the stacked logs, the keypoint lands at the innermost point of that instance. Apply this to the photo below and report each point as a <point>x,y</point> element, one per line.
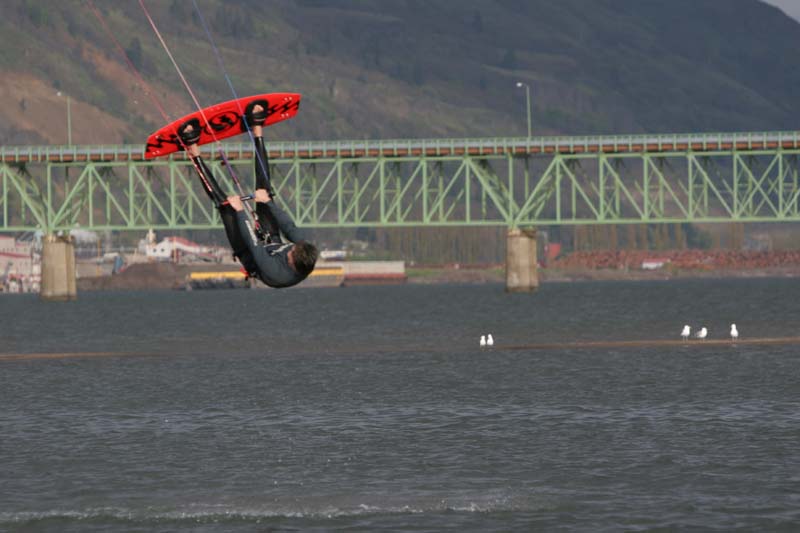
<point>683,259</point>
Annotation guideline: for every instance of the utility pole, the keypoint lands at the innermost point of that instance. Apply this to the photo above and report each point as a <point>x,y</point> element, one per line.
<point>528,102</point>
<point>69,119</point>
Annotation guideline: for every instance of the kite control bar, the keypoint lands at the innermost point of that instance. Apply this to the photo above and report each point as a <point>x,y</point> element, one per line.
<point>245,198</point>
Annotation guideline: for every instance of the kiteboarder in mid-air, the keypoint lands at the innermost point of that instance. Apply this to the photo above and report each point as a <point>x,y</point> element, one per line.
<point>260,251</point>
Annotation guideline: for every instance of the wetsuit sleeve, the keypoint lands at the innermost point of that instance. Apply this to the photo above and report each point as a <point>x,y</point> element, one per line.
<point>265,218</point>
<point>209,183</point>
<point>285,223</point>
<point>262,166</point>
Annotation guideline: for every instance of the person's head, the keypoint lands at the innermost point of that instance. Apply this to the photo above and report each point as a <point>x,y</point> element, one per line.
<point>304,257</point>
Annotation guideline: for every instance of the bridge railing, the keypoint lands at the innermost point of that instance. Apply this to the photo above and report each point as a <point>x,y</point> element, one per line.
<point>404,147</point>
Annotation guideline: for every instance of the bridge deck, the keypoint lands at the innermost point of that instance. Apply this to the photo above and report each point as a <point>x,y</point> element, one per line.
<point>710,142</point>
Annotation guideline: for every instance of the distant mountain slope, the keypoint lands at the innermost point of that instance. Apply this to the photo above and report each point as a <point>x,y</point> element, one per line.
<point>405,68</point>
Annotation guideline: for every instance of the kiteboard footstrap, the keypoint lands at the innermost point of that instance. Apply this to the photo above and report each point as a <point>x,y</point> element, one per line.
<point>256,118</point>
<point>189,132</point>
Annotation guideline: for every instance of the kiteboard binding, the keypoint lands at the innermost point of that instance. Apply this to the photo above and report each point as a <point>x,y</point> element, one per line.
<point>256,118</point>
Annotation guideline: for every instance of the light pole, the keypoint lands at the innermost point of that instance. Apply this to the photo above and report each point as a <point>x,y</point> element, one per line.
<point>69,121</point>
<point>528,101</point>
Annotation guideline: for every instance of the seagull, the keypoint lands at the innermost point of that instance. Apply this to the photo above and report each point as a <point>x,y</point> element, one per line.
<point>734,332</point>
<point>483,340</point>
<point>490,340</point>
<point>702,333</point>
<point>685,333</point>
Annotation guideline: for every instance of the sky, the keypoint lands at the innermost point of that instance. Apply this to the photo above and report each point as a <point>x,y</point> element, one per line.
<point>790,7</point>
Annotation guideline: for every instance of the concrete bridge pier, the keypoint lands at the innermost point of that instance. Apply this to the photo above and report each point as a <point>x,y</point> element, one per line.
<point>521,268</point>
<point>58,269</point>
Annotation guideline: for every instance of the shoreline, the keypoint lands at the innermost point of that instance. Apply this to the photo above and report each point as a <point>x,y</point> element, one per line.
<point>497,275</point>
<point>172,277</point>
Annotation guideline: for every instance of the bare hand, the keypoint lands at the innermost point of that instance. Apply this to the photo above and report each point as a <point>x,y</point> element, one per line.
<point>236,203</point>
<point>262,196</point>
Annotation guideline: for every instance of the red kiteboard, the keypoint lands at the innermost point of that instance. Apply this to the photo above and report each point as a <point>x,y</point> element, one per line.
<point>223,120</point>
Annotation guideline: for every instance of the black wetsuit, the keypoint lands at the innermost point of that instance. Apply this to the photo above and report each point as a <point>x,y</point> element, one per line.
<point>266,259</point>
<point>268,262</point>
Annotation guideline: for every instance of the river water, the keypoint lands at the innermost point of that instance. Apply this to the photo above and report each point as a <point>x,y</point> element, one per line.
<point>372,408</point>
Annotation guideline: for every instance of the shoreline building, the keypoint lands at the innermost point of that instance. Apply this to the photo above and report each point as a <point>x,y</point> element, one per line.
<point>20,266</point>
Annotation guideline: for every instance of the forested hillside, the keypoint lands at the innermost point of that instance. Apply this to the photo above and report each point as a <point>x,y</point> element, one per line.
<point>405,68</point>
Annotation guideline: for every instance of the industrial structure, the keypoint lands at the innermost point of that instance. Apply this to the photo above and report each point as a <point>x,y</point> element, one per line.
<point>520,183</point>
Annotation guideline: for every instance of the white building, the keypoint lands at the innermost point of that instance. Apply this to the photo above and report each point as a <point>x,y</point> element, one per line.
<point>20,267</point>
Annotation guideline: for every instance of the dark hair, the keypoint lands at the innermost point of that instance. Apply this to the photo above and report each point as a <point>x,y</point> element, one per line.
<point>305,257</point>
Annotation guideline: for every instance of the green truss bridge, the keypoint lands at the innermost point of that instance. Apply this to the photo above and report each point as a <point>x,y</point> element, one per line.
<point>513,182</point>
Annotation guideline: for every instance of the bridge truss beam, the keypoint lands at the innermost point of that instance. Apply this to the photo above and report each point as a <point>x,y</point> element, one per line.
<point>498,189</point>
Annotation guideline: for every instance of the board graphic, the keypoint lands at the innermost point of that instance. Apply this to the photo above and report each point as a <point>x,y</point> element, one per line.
<point>224,120</point>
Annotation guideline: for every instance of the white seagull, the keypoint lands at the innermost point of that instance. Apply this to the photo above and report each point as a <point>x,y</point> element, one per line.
<point>490,340</point>
<point>702,333</point>
<point>734,332</point>
<point>685,333</point>
<point>483,340</point>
